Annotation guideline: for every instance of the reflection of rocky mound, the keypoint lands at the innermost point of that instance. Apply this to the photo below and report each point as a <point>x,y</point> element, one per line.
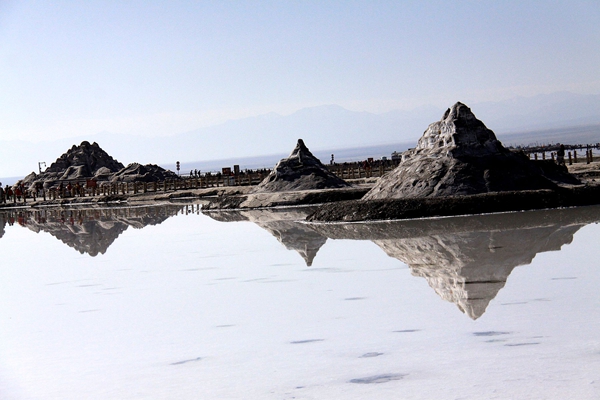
<point>92,231</point>
<point>300,171</point>
<point>470,268</point>
<point>459,155</point>
<point>91,237</point>
<point>284,226</point>
<point>143,173</point>
<point>80,162</point>
<point>467,260</point>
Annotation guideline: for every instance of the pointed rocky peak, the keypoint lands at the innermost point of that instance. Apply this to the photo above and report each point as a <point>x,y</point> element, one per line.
<point>459,112</point>
<point>302,155</point>
<point>300,171</point>
<point>300,148</point>
<point>460,132</point>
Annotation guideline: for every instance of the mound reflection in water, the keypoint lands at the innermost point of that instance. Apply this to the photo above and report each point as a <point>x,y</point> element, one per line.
<point>89,231</point>
<point>466,260</point>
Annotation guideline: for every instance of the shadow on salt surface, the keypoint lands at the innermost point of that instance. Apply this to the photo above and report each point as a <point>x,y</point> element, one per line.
<point>516,303</point>
<point>491,333</point>
<point>306,341</point>
<point>501,340</point>
<point>521,344</point>
<point>371,355</point>
<point>187,361</point>
<point>379,378</point>
<point>333,270</point>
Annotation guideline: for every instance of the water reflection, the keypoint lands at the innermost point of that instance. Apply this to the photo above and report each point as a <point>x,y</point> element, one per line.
<point>467,260</point>
<point>285,225</point>
<point>89,230</point>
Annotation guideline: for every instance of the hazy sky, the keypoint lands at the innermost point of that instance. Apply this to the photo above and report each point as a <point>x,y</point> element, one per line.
<point>72,68</point>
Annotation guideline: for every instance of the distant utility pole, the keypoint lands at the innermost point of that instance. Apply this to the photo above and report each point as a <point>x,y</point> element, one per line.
<point>40,166</point>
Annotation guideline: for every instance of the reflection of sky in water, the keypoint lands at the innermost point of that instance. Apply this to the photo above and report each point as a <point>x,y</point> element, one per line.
<point>196,308</point>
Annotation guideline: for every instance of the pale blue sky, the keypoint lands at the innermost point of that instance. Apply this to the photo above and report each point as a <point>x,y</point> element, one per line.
<point>72,68</point>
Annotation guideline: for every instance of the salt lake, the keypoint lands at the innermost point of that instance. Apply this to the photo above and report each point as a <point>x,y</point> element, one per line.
<point>166,302</point>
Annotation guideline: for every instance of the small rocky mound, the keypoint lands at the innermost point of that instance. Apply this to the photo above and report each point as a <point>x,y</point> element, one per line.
<point>459,155</point>
<point>300,171</point>
<point>135,172</point>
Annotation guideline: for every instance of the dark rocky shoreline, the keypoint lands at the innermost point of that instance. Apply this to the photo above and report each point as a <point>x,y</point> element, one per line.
<point>484,203</point>
<point>293,198</point>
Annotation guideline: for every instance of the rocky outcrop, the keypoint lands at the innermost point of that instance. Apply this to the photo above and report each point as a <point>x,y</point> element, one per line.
<point>300,171</point>
<point>467,260</point>
<point>142,173</point>
<point>482,203</point>
<point>459,155</point>
<point>285,199</point>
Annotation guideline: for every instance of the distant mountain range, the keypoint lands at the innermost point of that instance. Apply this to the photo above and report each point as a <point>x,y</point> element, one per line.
<point>522,120</point>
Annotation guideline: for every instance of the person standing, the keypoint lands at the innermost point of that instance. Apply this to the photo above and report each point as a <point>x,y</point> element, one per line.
<point>560,155</point>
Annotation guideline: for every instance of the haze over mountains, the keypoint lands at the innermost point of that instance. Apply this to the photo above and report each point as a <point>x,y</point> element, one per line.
<point>521,120</point>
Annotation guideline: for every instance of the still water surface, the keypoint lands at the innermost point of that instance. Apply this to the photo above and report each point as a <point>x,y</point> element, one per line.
<point>169,303</point>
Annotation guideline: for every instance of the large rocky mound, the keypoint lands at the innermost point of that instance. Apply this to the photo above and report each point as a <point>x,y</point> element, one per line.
<point>89,161</point>
<point>79,162</point>
<point>143,173</point>
<point>300,171</point>
<point>82,161</point>
<point>458,155</point>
